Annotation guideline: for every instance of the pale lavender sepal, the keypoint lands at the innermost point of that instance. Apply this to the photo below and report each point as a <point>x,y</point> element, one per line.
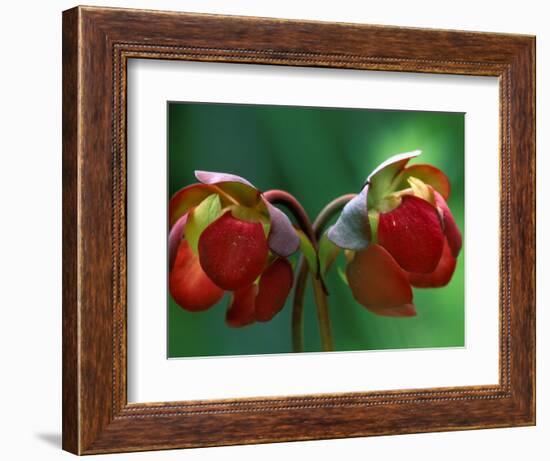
<point>174,239</point>
<point>381,180</point>
<point>350,230</point>
<point>400,160</point>
<point>211,177</point>
<point>282,238</point>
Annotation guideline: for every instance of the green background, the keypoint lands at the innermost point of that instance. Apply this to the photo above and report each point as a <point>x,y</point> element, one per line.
<point>316,154</point>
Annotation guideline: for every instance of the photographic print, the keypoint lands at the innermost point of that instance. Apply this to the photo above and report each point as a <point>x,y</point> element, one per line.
<point>328,225</point>
<point>309,229</point>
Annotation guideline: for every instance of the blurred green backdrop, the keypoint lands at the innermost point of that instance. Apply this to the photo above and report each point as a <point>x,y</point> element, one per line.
<point>316,154</point>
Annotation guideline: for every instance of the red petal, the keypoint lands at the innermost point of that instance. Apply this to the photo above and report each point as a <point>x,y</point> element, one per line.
<point>241,309</point>
<point>185,199</point>
<point>233,252</point>
<point>412,234</point>
<point>378,283</point>
<point>174,238</point>
<point>406,310</point>
<point>440,276</point>
<point>189,285</point>
<point>429,175</point>
<point>275,285</point>
<point>452,232</point>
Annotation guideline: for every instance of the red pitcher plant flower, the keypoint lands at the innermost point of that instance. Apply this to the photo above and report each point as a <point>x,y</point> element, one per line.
<point>399,233</point>
<point>225,236</point>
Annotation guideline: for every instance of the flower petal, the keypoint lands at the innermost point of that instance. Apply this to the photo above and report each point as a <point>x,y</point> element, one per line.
<point>430,175</point>
<point>406,310</point>
<point>233,252</point>
<point>412,234</point>
<point>187,198</point>
<point>282,238</point>
<point>382,178</point>
<point>351,230</point>
<point>452,232</point>
<point>212,177</point>
<point>442,274</point>
<point>378,283</point>
<point>189,285</point>
<point>174,239</point>
<point>241,309</point>
<point>234,186</point>
<point>274,287</point>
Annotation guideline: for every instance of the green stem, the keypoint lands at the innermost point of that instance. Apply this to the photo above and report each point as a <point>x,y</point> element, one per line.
<point>313,232</point>
<point>280,197</point>
<point>298,307</point>
<point>326,214</point>
<point>323,317</point>
<point>320,294</point>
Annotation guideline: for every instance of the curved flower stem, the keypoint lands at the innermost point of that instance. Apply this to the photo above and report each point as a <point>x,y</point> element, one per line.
<point>328,212</point>
<point>319,291</point>
<point>313,232</point>
<point>323,317</point>
<point>281,197</point>
<point>298,307</point>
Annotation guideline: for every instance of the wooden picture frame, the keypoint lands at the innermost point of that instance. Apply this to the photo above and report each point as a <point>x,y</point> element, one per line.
<point>97,43</point>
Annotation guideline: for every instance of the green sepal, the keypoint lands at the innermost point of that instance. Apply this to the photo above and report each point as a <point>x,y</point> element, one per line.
<point>251,215</point>
<point>310,255</point>
<point>242,193</point>
<point>200,218</point>
<point>421,190</point>
<point>374,217</point>
<point>386,177</point>
<point>342,275</point>
<point>328,252</point>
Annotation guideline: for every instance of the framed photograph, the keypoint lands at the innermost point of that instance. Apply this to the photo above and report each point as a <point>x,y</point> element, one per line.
<point>281,230</point>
